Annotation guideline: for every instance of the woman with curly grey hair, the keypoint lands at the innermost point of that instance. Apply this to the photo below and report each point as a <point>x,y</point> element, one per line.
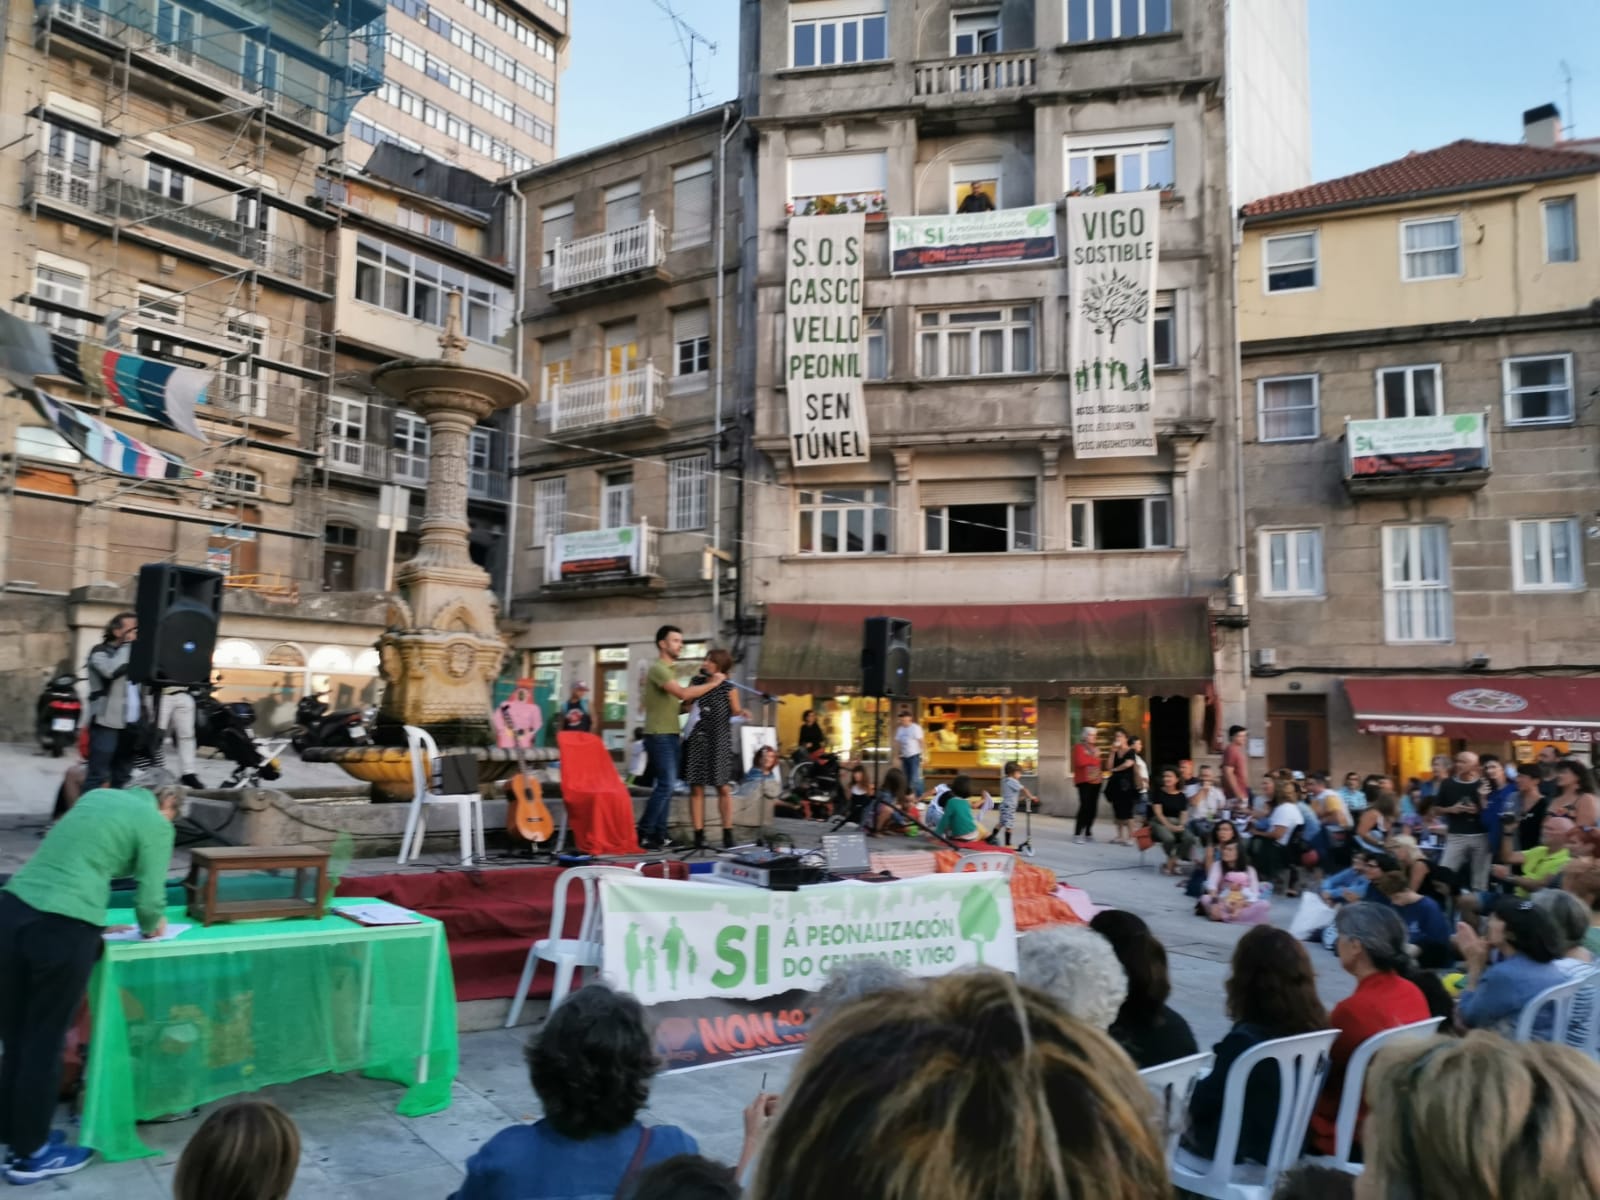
<point>1078,969</point>
<point>590,1066</point>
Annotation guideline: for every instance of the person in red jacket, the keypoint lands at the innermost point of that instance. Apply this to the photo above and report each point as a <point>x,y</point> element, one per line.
<point>1372,947</point>
<point>1087,768</point>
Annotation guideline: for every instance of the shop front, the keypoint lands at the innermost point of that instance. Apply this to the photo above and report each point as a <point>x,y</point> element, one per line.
<point>1510,716</point>
<point>997,683</point>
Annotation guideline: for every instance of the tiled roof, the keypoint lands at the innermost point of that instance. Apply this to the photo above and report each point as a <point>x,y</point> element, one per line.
<point>1460,166</point>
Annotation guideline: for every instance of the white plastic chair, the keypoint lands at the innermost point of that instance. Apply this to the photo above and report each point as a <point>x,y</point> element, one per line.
<point>568,954</point>
<point>1584,1027</point>
<point>1302,1063</point>
<point>1002,864</point>
<point>1355,1081</point>
<point>1558,1001</point>
<point>1172,1083</point>
<point>469,805</point>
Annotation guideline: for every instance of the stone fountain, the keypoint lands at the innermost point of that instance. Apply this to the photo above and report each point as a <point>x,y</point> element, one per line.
<point>443,651</point>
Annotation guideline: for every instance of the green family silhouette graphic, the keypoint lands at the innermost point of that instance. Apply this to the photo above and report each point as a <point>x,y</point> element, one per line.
<point>676,949</point>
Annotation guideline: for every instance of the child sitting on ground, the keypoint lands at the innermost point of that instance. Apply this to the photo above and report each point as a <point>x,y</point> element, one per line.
<point>958,824</point>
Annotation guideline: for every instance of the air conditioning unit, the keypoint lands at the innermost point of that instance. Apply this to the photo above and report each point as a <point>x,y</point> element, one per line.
<point>1265,656</point>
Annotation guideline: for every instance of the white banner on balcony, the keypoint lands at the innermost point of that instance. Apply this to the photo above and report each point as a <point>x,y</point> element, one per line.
<point>824,357</point>
<point>596,554</point>
<point>1111,268</point>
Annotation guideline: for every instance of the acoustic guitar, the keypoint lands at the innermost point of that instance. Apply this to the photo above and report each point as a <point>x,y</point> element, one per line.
<point>526,814</point>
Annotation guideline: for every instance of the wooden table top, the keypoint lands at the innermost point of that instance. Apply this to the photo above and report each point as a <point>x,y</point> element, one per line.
<point>258,856</point>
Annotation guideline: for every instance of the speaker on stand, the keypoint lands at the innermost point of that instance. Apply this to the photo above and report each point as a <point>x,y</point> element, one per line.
<point>178,610</point>
<point>885,672</point>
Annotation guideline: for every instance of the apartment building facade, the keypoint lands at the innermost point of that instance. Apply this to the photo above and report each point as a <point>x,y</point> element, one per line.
<point>1048,591</point>
<point>471,82</point>
<point>1421,354</point>
<point>159,170</point>
<point>630,496</point>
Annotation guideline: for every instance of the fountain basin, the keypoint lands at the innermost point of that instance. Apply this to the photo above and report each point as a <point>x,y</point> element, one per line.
<point>387,769</point>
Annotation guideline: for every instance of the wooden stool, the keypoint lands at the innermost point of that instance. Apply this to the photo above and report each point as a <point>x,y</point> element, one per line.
<point>207,865</point>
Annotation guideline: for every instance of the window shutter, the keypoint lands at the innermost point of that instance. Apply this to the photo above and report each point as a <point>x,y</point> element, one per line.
<point>691,323</point>
<point>937,493</point>
<point>830,174</point>
<point>691,203</point>
<point>1116,487</point>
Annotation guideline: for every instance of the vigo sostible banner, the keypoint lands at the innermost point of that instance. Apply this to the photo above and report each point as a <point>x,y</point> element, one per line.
<point>729,972</point>
<point>824,344</point>
<point>961,240</point>
<point>1111,257</point>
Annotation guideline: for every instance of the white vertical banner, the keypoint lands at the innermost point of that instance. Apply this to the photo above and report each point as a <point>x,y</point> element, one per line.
<point>824,339</point>
<point>1111,261</point>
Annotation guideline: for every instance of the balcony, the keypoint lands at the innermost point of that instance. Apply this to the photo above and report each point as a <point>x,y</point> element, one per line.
<point>633,254</point>
<point>269,406</point>
<point>1411,455</point>
<point>976,77</point>
<point>353,457</point>
<point>410,469</point>
<point>61,181</point>
<point>488,483</point>
<point>612,405</point>
<point>602,561</point>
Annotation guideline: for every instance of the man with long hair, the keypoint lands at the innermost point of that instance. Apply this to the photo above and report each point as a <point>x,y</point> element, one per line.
<point>113,705</point>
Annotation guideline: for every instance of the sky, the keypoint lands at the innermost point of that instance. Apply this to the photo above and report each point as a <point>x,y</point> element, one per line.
<point>1387,76</point>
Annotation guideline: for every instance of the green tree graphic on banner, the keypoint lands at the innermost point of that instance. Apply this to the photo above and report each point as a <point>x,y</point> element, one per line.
<point>979,918</point>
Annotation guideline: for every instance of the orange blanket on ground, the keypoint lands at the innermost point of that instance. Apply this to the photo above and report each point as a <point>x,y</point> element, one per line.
<point>1033,893</point>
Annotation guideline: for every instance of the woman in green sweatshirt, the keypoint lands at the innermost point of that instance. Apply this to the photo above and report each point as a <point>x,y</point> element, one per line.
<point>52,916</point>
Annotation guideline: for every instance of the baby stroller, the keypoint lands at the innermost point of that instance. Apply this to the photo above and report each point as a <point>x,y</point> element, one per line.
<point>814,786</point>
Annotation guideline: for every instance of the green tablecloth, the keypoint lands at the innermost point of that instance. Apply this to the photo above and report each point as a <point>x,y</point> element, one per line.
<point>234,1008</point>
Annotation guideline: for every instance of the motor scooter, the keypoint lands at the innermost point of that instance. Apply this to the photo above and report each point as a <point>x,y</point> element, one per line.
<point>57,714</point>
<point>314,725</point>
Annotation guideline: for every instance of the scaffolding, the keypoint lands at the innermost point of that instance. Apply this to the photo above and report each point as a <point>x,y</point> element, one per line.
<point>207,256</point>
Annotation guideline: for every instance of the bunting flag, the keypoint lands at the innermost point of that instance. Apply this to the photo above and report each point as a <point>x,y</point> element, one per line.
<point>108,447</point>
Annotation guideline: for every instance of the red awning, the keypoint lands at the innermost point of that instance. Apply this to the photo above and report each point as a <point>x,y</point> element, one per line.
<point>1046,651</point>
<point>1521,708</point>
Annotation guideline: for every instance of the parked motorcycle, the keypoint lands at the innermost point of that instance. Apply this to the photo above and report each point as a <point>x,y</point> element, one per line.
<point>314,725</point>
<point>57,714</point>
<point>229,729</point>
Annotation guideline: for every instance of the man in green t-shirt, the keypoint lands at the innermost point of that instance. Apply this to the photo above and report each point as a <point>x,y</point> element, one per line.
<point>52,916</point>
<point>1537,866</point>
<point>664,698</point>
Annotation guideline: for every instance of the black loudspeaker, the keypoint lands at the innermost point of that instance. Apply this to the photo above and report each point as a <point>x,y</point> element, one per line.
<point>178,610</point>
<point>886,656</point>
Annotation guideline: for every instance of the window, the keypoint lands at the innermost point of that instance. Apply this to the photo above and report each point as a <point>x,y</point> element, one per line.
<point>845,520</point>
<point>71,169</point>
<point>974,187</point>
<point>262,68</point>
<point>1538,389</point>
<point>987,341</point>
<point>1286,408</point>
<point>159,304</point>
<point>1430,249</point>
<point>243,482</point>
<point>347,431</point>
<point>978,528</point>
<point>411,449</point>
<point>242,385</point>
<point>339,545</point>
<point>166,181</point>
<point>1289,262</point>
<point>556,226</point>
<point>484,474</point>
<point>1560,230</point>
<point>556,356</point>
<point>691,342</point>
<point>394,278</point>
<point>826,33</point>
<point>691,204</point>
<point>1098,20</point>
<point>839,183</point>
<point>57,285</point>
<point>549,509</point>
<point>1416,584</point>
<point>616,499</point>
<point>976,33</point>
<point>1120,162</point>
<point>1547,555</point>
<point>877,345</point>
<point>622,205</point>
<point>1409,392</point>
<point>1290,562</point>
<point>1122,523</point>
<point>35,441</point>
<point>178,29</point>
<point>687,480</point>
<point>1165,331</point>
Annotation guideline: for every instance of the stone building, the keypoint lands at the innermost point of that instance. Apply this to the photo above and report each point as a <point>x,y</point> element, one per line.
<point>1421,350</point>
<point>631,500</point>
<point>1048,592</point>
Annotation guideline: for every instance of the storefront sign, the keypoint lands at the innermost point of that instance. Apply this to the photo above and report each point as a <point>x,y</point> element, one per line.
<point>598,553</point>
<point>1418,445</point>
<point>960,690</point>
<point>983,239</point>
<point>1111,259</point>
<point>1098,689</point>
<point>731,969</point>
<point>824,347</point>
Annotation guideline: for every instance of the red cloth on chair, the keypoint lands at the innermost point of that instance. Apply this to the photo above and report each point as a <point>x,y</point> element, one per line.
<point>599,808</point>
